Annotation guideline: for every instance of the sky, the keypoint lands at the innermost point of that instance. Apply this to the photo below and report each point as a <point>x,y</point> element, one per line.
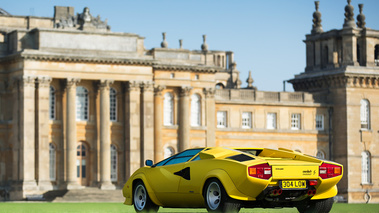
<point>266,36</point>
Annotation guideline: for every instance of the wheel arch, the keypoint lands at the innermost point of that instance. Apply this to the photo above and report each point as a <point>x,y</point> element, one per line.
<point>150,191</point>
<point>226,182</point>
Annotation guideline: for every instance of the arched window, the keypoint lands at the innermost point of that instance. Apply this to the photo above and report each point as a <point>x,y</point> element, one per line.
<point>113,163</point>
<point>195,110</point>
<point>168,109</point>
<point>320,154</point>
<point>220,86</point>
<point>366,167</point>
<point>113,104</point>
<point>82,104</point>
<point>52,160</point>
<point>52,103</point>
<point>376,54</point>
<point>365,114</point>
<point>168,152</point>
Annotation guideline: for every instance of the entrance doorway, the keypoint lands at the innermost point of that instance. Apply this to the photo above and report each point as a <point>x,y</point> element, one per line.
<point>81,164</point>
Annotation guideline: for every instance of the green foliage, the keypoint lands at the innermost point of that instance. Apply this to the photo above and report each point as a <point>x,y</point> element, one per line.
<point>44,207</point>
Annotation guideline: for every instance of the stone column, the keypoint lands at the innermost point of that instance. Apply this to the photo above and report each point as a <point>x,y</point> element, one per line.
<point>184,119</point>
<point>147,122</point>
<point>42,111</point>
<point>27,134</point>
<point>71,176</point>
<point>210,112</point>
<point>105,137</point>
<point>132,127</point>
<point>158,121</point>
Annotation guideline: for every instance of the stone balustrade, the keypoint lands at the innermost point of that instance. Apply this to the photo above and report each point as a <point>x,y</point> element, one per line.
<point>264,96</point>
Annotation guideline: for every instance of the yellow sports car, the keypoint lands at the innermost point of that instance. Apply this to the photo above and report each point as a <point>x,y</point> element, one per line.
<point>227,179</point>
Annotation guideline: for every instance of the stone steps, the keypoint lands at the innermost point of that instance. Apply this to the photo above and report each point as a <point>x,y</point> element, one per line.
<point>89,194</point>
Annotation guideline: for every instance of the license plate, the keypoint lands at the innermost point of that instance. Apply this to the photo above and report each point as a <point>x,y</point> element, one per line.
<point>294,184</point>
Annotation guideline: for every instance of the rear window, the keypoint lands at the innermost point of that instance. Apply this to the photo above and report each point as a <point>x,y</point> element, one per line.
<point>254,152</point>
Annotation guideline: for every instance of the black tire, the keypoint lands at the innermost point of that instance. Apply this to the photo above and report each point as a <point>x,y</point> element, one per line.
<point>317,206</point>
<point>141,199</point>
<point>217,200</point>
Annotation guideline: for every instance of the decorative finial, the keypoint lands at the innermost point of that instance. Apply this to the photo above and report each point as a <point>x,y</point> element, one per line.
<point>181,43</point>
<point>361,17</point>
<point>204,46</point>
<point>250,81</point>
<point>164,43</point>
<point>349,16</point>
<point>317,27</point>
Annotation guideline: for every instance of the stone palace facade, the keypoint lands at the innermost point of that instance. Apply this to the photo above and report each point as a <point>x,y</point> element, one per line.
<point>82,106</point>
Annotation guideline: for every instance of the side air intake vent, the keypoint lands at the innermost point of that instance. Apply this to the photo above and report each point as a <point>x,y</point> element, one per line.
<point>241,157</point>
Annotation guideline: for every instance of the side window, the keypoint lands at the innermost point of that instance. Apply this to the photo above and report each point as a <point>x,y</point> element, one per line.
<point>180,157</point>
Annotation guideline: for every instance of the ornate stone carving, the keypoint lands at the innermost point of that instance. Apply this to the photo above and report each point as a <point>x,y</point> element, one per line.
<point>185,91</point>
<point>204,46</point>
<point>337,81</point>
<point>349,15</point>
<point>83,21</point>
<point>105,83</point>
<point>164,43</point>
<point>147,86</point>
<point>250,81</point>
<point>361,17</point>
<point>43,81</point>
<point>133,86</point>
<point>28,81</point>
<point>209,92</point>
<point>158,90</point>
<point>317,27</point>
<point>72,82</point>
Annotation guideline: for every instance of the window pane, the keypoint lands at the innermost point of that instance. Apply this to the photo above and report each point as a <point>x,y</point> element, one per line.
<point>81,104</point>
<point>271,120</point>
<point>52,103</point>
<point>320,122</point>
<point>366,167</point>
<point>83,168</point>
<point>365,114</point>
<point>113,104</point>
<point>168,107</point>
<point>195,110</point>
<point>221,119</point>
<point>77,168</point>
<point>295,121</point>
<point>246,120</point>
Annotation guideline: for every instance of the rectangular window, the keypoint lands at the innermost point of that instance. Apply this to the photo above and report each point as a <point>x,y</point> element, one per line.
<point>320,122</point>
<point>295,121</point>
<point>221,119</point>
<point>246,120</point>
<point>271,120</point>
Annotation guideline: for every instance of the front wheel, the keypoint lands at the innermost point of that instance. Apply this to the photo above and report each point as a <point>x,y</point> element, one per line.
<point>216,199</point>
<point>141,199</point>
<point>317,206</point>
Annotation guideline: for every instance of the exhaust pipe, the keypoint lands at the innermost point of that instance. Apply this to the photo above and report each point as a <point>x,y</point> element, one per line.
<point>279,191</point>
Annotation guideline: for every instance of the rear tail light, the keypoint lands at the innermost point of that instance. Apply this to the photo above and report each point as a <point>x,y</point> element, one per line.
<point>329,170</point>
<point>262,171</point>
<point>312,182</point>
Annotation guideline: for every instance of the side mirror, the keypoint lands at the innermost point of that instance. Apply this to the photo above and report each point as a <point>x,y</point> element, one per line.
<point>148,162</point>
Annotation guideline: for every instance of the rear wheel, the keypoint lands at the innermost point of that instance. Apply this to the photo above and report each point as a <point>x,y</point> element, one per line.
<point>216,199</point>
<point>141,199</point>
<point>317,206</point>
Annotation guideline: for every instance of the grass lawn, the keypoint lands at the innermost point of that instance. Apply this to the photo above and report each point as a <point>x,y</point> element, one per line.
<point>15,207</point>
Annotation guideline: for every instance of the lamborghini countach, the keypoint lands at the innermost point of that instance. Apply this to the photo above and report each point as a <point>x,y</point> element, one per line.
<point>228,179</point>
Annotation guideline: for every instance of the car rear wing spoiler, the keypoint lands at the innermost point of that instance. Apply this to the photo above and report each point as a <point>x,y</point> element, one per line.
<point>286,153</point>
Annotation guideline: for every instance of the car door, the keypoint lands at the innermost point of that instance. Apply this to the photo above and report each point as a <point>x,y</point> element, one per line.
<point>166,175</point>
